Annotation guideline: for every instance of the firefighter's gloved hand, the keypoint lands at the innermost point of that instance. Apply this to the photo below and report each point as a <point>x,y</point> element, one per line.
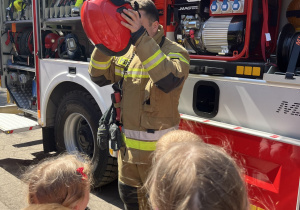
<point>102,136</point>
<point>136,35</point>
<point>115,137</point>
<point>133,20</point>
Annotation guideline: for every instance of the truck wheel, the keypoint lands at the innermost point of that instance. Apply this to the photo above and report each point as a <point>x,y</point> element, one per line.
<point>76,125</point>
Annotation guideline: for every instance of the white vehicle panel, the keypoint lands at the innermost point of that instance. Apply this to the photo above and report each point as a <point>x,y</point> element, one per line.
<point>55,71</point>
<point>254,104</point>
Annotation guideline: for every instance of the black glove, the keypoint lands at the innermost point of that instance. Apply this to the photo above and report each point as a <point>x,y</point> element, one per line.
<point>103,129</point>
<point>103,136</point>
<point>136,35</point>
<point>115,137</point>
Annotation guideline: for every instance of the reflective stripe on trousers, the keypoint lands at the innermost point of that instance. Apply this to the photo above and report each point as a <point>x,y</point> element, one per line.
<point>142,140</point>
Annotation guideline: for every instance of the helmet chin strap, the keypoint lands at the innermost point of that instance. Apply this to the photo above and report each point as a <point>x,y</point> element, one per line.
<point>136,7</point>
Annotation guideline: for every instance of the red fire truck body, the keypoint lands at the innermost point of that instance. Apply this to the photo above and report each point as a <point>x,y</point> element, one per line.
<point>242,92</point>
<point>271,165</point>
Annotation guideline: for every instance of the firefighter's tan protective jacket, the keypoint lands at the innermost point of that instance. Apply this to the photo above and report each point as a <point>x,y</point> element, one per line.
<point>151,90</point>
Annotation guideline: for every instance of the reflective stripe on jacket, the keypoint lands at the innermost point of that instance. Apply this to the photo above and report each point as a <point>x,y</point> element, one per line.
<point>152,83</point>
<point>143,140</point>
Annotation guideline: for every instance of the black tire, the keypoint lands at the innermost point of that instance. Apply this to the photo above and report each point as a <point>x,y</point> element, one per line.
<point>80,114</point>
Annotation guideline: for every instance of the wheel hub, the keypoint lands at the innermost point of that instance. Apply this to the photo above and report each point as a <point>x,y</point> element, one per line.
<point>78,135</point>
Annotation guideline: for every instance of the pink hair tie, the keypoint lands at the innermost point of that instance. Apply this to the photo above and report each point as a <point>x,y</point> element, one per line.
<point>80,170</point>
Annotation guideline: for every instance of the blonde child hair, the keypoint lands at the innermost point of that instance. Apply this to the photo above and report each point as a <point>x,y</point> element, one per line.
<point>195,175</point>
<point>50,206</point>
<point>64,179</point>
<point>167,140</point>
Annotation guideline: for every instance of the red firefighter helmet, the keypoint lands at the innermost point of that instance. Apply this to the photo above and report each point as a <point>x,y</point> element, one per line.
<point>101,20</point>
<point>50,40</point>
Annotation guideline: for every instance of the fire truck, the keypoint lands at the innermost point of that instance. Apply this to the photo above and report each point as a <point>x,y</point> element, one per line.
<point>242,92</point>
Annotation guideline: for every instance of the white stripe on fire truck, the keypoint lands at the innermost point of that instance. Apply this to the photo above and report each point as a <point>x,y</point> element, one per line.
<point>242,129</point>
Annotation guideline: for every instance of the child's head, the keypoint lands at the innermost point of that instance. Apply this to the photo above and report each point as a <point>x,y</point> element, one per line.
<point>63,179</point>
<point>196,176</point>
<point>49,206</point>
<point>176,136</point>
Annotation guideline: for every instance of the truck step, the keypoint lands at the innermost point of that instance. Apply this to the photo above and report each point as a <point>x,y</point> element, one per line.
<point>13,123</point>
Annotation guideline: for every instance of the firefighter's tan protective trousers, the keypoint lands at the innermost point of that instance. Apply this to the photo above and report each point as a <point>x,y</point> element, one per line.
<point>134,162</point>
<point>133,175</point>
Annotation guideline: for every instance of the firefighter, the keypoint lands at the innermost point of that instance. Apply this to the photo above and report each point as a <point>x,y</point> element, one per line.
<point>156,71</point>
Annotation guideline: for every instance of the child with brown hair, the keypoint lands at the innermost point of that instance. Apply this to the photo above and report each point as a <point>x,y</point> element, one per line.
<point>63,180</point>
<point>167,140</point>
<point>193,175</point>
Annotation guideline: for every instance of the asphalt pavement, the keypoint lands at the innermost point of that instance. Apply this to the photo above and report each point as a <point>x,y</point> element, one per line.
<point>20,150</point>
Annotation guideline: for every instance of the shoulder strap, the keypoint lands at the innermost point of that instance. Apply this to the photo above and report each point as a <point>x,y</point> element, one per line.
<point>118,85</point>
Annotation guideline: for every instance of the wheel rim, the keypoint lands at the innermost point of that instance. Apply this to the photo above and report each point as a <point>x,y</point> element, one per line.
<point>78,135</point>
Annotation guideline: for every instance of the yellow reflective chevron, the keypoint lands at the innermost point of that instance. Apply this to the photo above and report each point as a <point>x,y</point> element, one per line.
<point>133,73</point>
<point>145,136</point>
<point>137,73</point>
<point>154,60</point>
<point>140,145</point>
<point>100,65</point>
<point>179,56</point>
<point>119,71</point>
<point>151,58</point>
